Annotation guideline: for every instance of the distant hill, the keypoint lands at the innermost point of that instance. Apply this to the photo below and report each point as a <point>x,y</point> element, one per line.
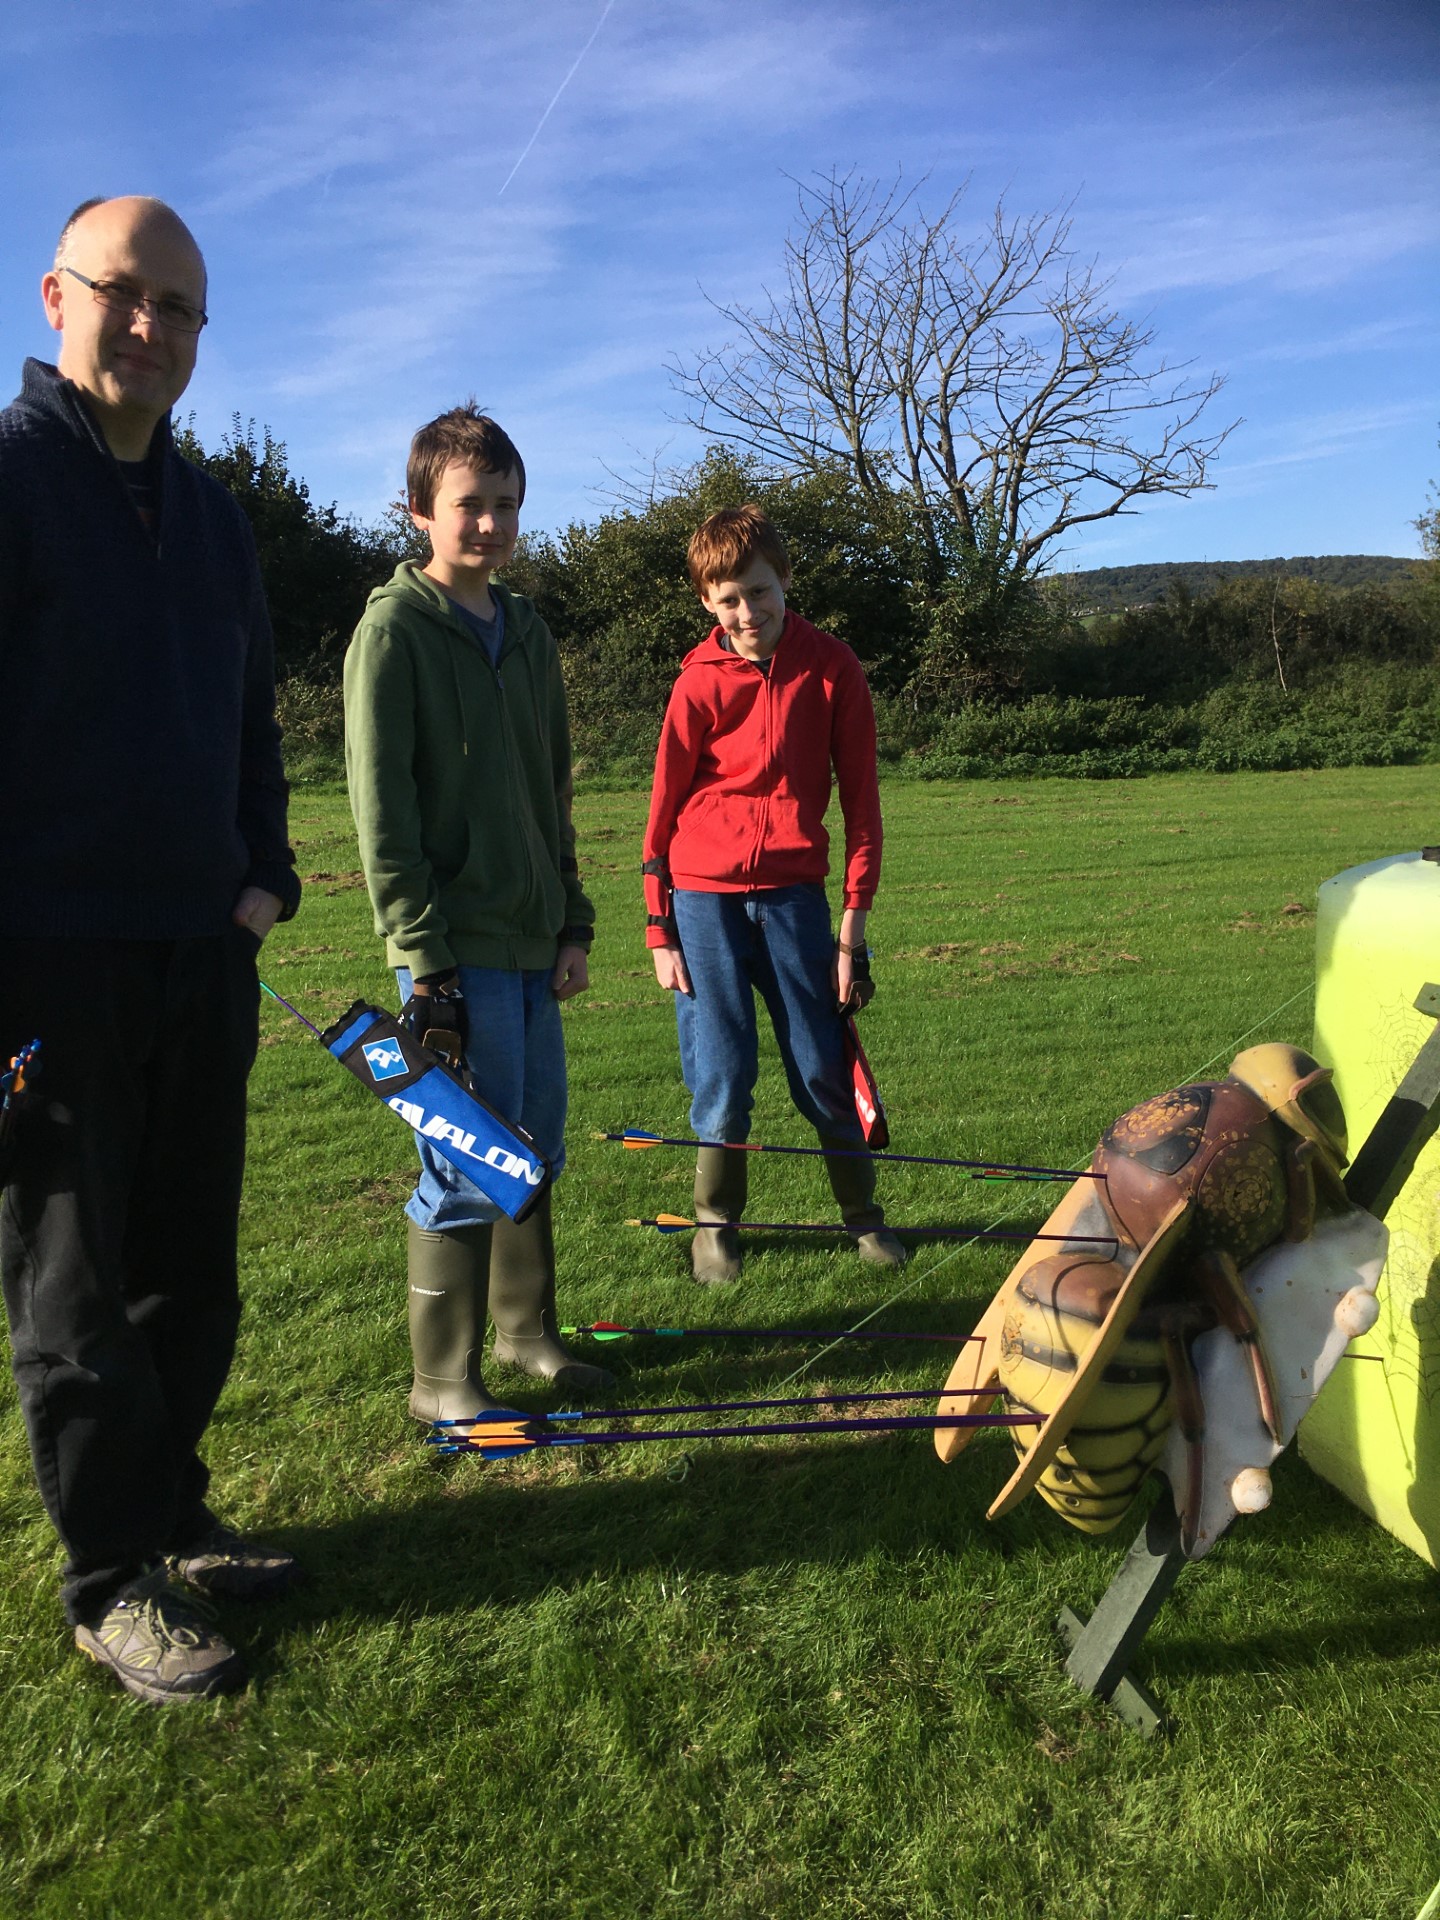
<point>1112,589</point>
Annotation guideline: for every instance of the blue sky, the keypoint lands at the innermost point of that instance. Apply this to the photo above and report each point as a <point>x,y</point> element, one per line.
<point>1262,179</point>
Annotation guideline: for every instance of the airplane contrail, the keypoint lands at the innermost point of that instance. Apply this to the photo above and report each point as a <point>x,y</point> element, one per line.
<point>1246,52</point>
<point>558,91</point>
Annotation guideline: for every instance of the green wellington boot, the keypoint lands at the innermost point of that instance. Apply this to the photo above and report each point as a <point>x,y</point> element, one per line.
<point>852,1181</point>
<point>449,1274</point>
<point>522,1305</point>
<point>722,1177</point>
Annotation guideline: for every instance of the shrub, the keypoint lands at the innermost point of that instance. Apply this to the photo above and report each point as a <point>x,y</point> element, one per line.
<point>312,717</point>
<point>1379,715</point>
<point>318,566</point>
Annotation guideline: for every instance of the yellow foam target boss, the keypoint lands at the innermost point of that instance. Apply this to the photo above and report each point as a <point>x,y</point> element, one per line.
<point>1374,1432</point>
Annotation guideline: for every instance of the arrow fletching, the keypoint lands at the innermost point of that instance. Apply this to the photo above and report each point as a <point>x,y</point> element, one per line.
<point>501,1434</point>
<point>610,1330</point>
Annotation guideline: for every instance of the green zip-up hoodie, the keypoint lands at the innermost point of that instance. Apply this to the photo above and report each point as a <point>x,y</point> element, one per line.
<point>459,773</point>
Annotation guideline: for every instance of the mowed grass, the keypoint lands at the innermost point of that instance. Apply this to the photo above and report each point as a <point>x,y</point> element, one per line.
<point>761,1678</point>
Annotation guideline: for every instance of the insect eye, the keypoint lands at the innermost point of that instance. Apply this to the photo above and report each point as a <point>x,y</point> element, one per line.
<point>1321,1103</point>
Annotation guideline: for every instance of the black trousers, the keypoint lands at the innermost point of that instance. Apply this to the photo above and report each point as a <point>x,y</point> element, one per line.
<point>118,1233</point>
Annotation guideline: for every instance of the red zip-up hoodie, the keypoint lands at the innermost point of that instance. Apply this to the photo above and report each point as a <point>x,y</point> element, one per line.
<point>743,773</point>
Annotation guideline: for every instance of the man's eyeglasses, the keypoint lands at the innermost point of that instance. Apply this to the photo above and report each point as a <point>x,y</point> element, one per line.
<point>121,297</point>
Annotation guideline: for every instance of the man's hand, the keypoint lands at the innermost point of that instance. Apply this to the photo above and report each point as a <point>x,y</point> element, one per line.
<point>257,910</point>
<point>572,973</point>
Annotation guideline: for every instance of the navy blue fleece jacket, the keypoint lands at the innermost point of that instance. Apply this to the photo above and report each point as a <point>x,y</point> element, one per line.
<point>141,785</point>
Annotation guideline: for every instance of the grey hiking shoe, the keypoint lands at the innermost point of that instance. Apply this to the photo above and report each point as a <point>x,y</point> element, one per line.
<point>160,1646</point>
<point>227,1566</point>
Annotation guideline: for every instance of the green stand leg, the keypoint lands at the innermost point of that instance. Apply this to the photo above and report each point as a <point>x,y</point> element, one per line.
<point>1100,1649</point>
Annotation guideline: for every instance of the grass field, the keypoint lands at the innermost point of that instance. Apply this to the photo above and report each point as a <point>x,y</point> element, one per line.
<point>761,1680</point>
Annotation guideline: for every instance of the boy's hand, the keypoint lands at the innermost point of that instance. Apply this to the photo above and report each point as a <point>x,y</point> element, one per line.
<point>850,969</point>
<point>670,969</point>
<point>572,973</point>
<point>435,1015</point>
<point>850,977</point>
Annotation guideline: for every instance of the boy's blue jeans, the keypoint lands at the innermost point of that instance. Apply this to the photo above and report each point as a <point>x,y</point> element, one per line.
<point>776,942</point>
<point>516,1051</point>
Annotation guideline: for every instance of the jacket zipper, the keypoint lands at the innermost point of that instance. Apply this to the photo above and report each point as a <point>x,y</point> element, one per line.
<point>507,730</point>
<point>764,815</point>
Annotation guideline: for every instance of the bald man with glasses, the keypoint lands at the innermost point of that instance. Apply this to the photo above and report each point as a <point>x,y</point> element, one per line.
<point>143,859</point>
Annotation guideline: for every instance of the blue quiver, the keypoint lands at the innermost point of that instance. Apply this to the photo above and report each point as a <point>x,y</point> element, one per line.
<point>430,1096</point>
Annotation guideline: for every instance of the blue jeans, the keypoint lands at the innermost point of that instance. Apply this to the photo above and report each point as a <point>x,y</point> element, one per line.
<point>516,1051</point>
<point>776,942</point>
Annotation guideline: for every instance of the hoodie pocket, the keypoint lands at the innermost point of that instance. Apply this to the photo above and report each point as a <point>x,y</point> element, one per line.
<point>716,836</point>
<point>504,883</point>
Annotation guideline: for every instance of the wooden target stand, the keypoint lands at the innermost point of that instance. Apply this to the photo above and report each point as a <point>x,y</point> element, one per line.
<point>1100,1649</point>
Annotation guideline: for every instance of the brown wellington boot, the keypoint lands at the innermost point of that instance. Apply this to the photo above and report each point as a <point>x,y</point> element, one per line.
<point>722,1178</point>
<point>522,1305</point>
<point>852,1181</point>
<point>449,1273</point>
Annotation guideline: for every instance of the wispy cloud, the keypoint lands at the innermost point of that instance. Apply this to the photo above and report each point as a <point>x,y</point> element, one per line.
<point>1304,252</point>
<point>1395,333</point>
<point>1336,434</point>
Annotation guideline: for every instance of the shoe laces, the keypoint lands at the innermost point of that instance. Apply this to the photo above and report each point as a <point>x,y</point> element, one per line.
<point>174,1619</point>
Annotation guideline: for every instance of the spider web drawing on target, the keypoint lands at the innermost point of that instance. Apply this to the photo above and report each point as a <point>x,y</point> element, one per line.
<point>1408,1330</point>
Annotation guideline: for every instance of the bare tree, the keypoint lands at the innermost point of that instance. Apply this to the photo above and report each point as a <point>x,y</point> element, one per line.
<point>989,377</point>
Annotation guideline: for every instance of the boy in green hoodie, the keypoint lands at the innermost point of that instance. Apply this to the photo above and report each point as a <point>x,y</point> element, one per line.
<point>457,751</point>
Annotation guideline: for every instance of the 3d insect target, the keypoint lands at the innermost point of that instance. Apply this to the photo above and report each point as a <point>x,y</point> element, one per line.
<point>1180,1308</point>
<point>1240,1273</point>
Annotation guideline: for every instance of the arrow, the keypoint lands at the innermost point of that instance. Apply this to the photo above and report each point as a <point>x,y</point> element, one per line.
<point>282,1001</point>
<point>612,1330</point>
<point>504,1433</point>
<point>677,1223</point>
<point>729,1406</point>
<point>635,1137</point>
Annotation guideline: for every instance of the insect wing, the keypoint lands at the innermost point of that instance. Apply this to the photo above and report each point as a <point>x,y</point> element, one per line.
<point>978,1364</point>
<point>1096,1357</point>
<point>977,1368</point>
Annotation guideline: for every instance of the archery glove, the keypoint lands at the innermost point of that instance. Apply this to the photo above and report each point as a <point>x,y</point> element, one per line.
<point>862,987</point>
<point>437,1018</point>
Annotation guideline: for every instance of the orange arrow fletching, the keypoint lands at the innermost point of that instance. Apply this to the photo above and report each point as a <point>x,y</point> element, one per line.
<point>482,1432</point>
<point>496,1435</point>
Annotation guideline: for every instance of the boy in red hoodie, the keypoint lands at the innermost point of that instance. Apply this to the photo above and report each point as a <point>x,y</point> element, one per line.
<point>736,852</point>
